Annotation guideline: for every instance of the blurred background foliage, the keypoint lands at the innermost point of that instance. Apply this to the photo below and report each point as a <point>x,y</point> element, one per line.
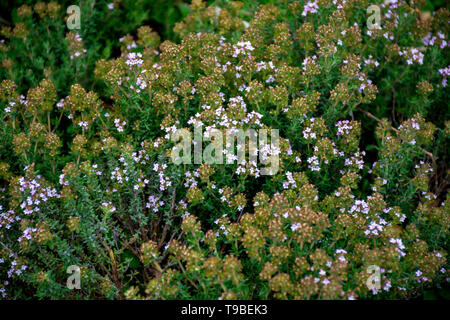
<point>100,30</point>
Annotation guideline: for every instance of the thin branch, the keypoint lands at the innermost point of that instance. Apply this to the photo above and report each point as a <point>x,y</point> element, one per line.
<point>115,274</point>
<point>172,209</point>
<point>429,154</point>
<point>393,105</point>
<point>6,247</point>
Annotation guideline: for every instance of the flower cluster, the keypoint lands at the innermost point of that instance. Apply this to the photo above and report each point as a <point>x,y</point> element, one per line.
<point>87,176</point>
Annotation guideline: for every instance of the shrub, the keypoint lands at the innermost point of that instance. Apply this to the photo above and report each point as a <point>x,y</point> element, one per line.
<point>87,177</point>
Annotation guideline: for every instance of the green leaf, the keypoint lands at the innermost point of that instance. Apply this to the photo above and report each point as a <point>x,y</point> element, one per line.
<point>184,9</point>
<point>131,259</point>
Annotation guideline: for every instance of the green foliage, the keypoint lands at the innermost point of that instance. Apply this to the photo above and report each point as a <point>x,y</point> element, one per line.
<point>87,179</point>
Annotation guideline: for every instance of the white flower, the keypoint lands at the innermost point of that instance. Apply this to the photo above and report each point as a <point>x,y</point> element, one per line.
<point>84,124</point>
<point>134,59</point>
<point>310,7</point>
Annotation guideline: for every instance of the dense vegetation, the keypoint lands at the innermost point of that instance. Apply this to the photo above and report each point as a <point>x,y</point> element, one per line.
<point>87,179</point>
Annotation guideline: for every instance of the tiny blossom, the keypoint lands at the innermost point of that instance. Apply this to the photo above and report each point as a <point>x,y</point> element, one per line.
<point>154,203</point>
<point>133,45</point>
<point>429,40</point>
<point>27,234</point>
<point>83,124</point>
<point>343,127</point>
<point>108,206</point>
<point>60,104</point>
<point>309,61</point>
<point>400,246</point>
<point>360,206</point>
<point>62,181</point>
<point>120,124</point>
<point>310,7</point>
<point>387,286</point>
<point>371,62</point>
<point>313,163</point>
<point>291,182</point>
<point>412,55</point>
<point>134,59</point>
<point>445,72</point>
